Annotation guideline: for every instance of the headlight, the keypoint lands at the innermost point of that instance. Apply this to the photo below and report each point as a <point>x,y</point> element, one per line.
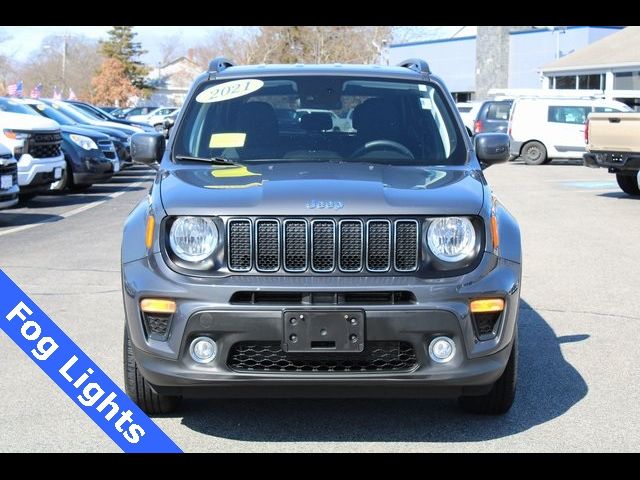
<point>83,142</point>
<point>193,238</point>
<point>15,135</point>
<point>451,239</point>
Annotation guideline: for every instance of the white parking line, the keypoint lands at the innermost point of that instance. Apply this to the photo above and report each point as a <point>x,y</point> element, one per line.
<point>78,210</point>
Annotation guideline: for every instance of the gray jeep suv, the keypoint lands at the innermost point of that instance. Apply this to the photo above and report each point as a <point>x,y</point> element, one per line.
<point>295,259</point>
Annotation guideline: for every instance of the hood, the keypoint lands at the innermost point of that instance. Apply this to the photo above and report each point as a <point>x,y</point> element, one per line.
<point>126,129</point>
<point>87,132</point>
<point>111,132</point>
<point>21,121</point>
<point>321,189</point>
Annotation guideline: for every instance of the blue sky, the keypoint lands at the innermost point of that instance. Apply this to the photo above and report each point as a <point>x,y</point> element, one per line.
<point>25,40</point>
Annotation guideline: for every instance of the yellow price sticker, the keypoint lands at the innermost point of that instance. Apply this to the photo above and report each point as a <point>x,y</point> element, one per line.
<point>227,140</point>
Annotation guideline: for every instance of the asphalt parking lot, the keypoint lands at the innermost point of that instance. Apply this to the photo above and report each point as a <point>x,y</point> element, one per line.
<point>578,378</point>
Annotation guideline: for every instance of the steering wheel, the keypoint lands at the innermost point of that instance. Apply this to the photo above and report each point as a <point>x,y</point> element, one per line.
<point>382,145</point>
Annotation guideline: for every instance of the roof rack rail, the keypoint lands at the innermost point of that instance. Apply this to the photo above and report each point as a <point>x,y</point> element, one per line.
<point>416,64</point>
<point>219,64</point>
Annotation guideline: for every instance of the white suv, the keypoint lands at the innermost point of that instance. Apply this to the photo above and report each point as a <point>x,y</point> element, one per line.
<point>8,178</point>
<point>35,144</point>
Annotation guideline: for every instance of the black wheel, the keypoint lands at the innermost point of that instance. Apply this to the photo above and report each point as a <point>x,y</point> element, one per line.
<point>547,161</point>
<point>628,184</point>
<point>141,391</point>
<point>534,153</point>
<point>25,197</point>
<point>500,398</point>
<point>159,127</point>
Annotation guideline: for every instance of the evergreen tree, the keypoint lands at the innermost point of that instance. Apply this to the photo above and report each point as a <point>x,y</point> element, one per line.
<point>121,46</point>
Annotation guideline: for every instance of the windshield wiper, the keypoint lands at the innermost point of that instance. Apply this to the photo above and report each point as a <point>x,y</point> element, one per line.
<point>212,160</point>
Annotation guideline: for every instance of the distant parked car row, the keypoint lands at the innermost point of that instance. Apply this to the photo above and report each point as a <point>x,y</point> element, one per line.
<point>541,128</point>
<point>51,144</point>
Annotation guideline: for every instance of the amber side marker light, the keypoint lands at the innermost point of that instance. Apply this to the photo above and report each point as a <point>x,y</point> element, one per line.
<point>494,232</point>
<point>148,240</point>
<point>487,305</point>
<point>157,305</point>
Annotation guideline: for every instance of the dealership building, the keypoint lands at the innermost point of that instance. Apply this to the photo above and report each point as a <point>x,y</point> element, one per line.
<point>509,57</point>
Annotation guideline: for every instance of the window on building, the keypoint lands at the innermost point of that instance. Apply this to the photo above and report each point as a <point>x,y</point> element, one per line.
<point>462,96</point>
<point>591,82</point>
<point>626,81</point>
<point>565,82</point>
<point>566,114</point>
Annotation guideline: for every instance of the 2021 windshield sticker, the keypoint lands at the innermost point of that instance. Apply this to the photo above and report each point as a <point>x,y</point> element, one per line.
<point>229,90</point>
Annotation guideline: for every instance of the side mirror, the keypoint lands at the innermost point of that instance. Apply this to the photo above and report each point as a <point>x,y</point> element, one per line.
<point>147,148</point>
<point>491,148</point>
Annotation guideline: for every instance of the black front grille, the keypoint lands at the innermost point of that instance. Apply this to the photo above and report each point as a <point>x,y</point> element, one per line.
<point>44,150</point>
<point>107,148</point>
<point>268,357</point>
<point>296,245</point>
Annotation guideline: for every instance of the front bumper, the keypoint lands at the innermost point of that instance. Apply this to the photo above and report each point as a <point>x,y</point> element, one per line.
<point>614,161</point>
<point>441,307</point>
<point>9,197</point>
<point>515,148</point>
<point>37,173</point>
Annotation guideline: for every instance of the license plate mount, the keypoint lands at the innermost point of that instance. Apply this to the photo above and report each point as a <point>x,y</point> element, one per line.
<point>323,331</point>
<point>6,182</point>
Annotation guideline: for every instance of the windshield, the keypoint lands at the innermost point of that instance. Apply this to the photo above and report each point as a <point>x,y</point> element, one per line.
<point>8,105</point>
<point>52,113</point>
<point>72,113</point>
<point>316,118</point>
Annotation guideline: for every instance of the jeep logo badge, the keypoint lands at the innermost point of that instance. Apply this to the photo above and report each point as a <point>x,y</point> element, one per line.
<point>326,204</point>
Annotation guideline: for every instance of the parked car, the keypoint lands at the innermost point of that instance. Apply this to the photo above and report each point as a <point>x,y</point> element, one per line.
<point>90,155</point>
<point>315,263</point>
<point>613,142</point>
<point>155,118</point>
<point>119,134</point>
<point>492,116</point>
<point>168,123</point>
<point>107,109</point>
<point>125,113</point>
<point>35,143</point>
<point>542,129</point>
<point>468,113</point>
<point>9,188</point>
<point>100,114</point>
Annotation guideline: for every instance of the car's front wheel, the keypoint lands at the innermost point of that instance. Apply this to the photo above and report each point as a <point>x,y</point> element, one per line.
<point>628,184</point>
<point>500,398</point>
<point>141,391</point>
<point>534,153</point>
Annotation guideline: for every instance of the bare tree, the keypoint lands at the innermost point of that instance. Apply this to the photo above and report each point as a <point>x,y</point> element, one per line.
<point>171,47</point>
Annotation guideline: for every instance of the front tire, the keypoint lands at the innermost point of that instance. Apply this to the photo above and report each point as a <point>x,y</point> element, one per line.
<point>534,153</point>
<point>500,398</point>
<point>628,184</point>
<point>141,391</point>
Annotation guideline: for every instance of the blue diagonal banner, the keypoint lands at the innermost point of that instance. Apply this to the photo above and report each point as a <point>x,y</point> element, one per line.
<point>75,373</point>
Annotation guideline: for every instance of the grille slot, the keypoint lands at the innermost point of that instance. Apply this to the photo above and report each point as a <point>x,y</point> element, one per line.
<point>267,245</point>
<point>295,245</point>
<point>239,244</point>
<point>406,245</point>
<point>323,242</point>
<point>268,357</point>
<point>378,245</point>
<point>351,244</point>
<point>400,297</point>
<point>107,147</point>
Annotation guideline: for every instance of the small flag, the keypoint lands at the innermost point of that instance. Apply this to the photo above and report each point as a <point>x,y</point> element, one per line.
<point>72,96</point>
<point>57,94</point>
<point>36,92</point>
<point>15,90</point>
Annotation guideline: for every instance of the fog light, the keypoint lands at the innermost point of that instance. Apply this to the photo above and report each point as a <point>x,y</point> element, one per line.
<point>442,349</point>
<point>203,350</point>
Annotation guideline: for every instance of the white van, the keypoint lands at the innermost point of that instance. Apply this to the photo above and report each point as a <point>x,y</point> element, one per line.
<point>542,129</point>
